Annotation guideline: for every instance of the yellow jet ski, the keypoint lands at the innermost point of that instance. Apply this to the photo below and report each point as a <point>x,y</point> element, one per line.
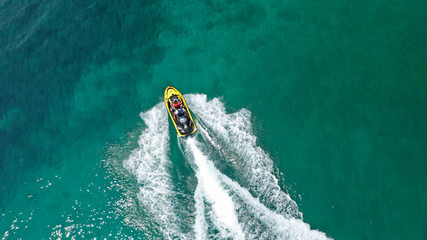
<point>179,112</point>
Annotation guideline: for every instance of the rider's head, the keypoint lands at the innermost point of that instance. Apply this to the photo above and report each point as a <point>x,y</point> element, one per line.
<point>176,103</point>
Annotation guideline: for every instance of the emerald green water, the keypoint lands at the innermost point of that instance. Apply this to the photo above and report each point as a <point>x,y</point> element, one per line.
<point>335,91</point>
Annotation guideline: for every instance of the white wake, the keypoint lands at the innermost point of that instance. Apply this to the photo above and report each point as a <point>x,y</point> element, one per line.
<point>256,167</point>
<point>235,213</point>
<point>150,164</point>
<point>250,205</point>
<point>209,189</point>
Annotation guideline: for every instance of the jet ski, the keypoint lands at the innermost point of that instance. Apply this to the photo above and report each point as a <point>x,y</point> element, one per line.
<point>179,112</point>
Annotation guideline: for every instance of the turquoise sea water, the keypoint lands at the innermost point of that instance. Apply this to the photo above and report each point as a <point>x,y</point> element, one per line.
<point>312,118</point>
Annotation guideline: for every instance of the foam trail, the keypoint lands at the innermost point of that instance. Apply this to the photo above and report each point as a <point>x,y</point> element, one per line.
<point>223,211</point>
<point>240,207</point>
<point>150,163</point>
<point>200,226</point>
<point>206,134</point>
<point>281,227</point>
<point>232,134</point>
<point>235,133</point>
<point>212,187</point>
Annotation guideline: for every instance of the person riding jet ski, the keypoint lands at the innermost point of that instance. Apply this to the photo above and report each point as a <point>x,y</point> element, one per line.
<point>176,103</point>
<point>174,106</point>
<point>179,111</point>
<point>180,115</point>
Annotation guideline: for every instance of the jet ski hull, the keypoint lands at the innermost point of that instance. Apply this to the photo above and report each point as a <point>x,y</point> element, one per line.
<point>170,94</point>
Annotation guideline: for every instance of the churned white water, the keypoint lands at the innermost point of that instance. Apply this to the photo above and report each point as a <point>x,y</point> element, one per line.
<point>150,164</point>
<point>224,208</point>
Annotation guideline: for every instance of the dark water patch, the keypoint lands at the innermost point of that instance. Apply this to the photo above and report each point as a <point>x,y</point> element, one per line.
<point>46,66</point>
<point>59,97</point>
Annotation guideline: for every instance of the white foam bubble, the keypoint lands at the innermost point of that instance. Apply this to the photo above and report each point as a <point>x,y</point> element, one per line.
<point>200,226</point>
<point>150,164</point>
<point>280,226</point>
<point>231,202</point>
<point>223,214</point>
<point>258,221</point>
<point>256,167</point>
<point>223,208</point>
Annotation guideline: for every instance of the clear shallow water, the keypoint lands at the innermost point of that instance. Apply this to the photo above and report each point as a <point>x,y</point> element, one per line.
<point>335,93</point>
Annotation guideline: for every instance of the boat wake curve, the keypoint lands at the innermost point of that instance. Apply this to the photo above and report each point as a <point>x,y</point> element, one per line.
<point>236,195</point>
